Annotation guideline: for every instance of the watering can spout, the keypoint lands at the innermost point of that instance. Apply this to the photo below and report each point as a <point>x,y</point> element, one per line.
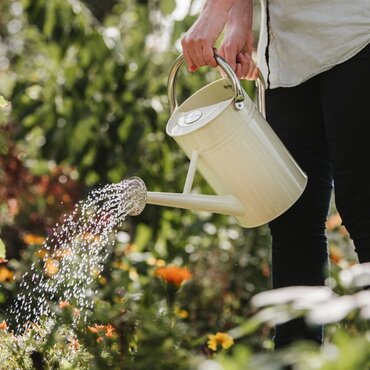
<point>225,204</point>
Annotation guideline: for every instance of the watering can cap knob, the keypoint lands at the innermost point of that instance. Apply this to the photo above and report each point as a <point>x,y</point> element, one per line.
<point>187,118</point>
<point>192,116</point>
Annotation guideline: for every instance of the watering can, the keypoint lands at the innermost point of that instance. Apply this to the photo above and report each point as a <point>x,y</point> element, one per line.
<point>230,143</point>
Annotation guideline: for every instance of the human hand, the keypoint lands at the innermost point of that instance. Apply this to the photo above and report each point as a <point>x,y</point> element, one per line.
<point>236,49</point>
<point>237,46</point>
<point>239,57</point>
<point>198,42</point>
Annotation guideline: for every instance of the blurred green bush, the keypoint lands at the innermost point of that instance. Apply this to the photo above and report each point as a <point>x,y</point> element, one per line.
<point>87,83</point>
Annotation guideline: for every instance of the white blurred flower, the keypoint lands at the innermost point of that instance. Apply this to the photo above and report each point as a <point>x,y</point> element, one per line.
<point>123,237</point>
<point>295,295</point>
<point>356,276</point>
<point>210,365</point>
<point>111,36</point>
<point>333,310</point>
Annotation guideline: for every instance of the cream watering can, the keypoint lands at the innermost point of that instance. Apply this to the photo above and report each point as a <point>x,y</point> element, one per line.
<point>229,142</point>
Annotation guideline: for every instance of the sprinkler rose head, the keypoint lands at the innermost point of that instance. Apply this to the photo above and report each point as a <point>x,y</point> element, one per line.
<point>138,195</point>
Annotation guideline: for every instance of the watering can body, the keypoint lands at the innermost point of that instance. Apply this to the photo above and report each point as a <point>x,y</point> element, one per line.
<point>232,146</point>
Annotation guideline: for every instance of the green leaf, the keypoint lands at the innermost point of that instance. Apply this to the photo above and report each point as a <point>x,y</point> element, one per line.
<point>50,18</point>
<point>2,249</point>
<point>167,6</point>
<point>3,102</point>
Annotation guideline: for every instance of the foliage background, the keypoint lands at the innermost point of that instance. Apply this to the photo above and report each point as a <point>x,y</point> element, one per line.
<point>87,84</point>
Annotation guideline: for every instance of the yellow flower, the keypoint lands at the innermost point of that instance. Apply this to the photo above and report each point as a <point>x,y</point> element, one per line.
<point>181,313</point>
<point>91,237</point>
<point>62,253</point>
<point>158,262</point>
<point>51,267</point>
<point>95,272</point>
<point>5,274</point>
<point>132,274</point>
<point>335,254</point>
<point>42,253</point>
<point>222,339</point>
<point>33,239</point>
<point>119,299</point>
<point>121,265</point>
<point>151,261</point>
<point>129,248</point>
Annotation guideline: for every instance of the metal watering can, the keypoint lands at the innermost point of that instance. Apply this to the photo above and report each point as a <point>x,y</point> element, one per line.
<point>229,142</point>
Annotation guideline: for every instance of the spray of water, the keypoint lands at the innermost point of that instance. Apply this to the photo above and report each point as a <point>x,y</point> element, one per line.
<point>75,252</point>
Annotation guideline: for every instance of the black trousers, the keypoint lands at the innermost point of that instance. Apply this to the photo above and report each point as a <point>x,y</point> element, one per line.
<point>325,124</point>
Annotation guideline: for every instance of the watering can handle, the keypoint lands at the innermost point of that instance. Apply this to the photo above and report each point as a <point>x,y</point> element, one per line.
<point>238,90</point>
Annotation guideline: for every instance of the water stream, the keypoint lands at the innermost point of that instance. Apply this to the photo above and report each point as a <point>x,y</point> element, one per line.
<point>73,255</point>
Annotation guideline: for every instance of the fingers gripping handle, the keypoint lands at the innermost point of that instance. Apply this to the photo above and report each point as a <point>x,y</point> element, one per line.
<point>237,88</point>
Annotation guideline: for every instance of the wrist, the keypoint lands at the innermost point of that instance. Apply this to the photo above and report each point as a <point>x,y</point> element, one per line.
<point>218,6</point>
<point>214,16</point>
<point>241,14</point>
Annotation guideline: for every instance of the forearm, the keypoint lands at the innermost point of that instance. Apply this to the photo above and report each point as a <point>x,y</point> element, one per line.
<point>219,5</point>
<point>217,12</point>
<point>240,15</point>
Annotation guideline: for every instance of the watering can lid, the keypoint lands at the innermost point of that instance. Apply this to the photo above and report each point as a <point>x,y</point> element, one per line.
<point>183,122</point>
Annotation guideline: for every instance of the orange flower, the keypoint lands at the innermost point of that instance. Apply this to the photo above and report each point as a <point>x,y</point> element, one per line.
<point>5,274</point>
<point>174,274</point>
<point>266,270</point>
<point>344,232</point>
<point>3,325</point>
<point>222,339</point>
<point>3,260</point>
<point>75,344</point>
<point>63,304</point>
<point>335,254</point>
<point>333,221</point>
<point>96,328</point>
<point>93,329</point>
<point>110,331</point>
<point>99,339</point>
<point>33,239</point>
<point>13,207</point>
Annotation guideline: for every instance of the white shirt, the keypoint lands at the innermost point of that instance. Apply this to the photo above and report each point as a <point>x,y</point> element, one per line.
<point>301,38</point>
